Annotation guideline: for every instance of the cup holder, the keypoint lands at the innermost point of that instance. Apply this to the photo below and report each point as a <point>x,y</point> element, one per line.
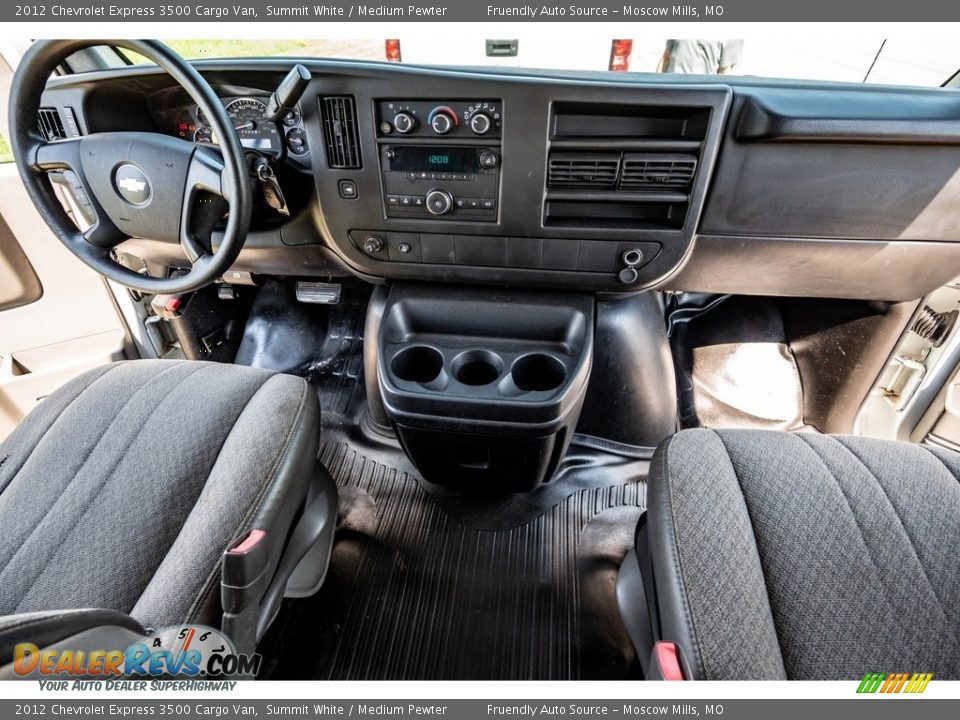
<point>418,364</point>
<point>477,367</point>
<point>538,373</point>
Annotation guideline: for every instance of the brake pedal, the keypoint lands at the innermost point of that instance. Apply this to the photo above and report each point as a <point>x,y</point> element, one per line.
<point>318,293</point>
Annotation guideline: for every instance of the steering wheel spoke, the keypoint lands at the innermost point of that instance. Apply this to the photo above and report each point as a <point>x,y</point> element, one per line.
<point>61,161</point>
<point>206,171</point>
<point>204,202</point>
<point>57,155</point>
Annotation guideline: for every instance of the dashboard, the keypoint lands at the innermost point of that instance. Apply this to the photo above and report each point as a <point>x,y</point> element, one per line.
<point>580,181</point>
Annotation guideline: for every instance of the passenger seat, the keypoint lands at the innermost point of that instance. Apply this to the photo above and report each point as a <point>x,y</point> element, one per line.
<point>770,555</point>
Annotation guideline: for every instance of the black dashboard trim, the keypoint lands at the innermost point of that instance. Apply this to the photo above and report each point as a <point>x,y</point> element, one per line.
<point>851,253</point>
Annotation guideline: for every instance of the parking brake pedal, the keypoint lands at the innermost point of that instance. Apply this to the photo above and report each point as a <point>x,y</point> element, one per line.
<point>166,307</point>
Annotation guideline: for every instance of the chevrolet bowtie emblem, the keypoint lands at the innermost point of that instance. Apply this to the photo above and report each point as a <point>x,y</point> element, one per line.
<point>132,185</point>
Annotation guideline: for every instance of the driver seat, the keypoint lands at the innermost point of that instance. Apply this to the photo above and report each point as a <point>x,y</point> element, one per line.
<point>123,489</point>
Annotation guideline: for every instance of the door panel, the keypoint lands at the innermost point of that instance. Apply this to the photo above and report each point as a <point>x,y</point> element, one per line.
<point>71,326</point>
<point>19,284</point>
<point>947,430</point>
<point>917,397</point>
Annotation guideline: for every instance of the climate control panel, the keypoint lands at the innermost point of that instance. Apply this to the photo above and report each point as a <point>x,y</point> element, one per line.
<point>439,118</point>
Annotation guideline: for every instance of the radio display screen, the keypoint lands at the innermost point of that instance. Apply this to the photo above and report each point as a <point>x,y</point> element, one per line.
<point>452,159</point>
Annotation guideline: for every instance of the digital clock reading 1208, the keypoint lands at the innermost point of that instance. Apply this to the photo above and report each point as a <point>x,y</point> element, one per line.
<point>455,159</point>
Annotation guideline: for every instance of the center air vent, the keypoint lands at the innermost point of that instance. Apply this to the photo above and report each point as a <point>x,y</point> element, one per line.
<point>51,126</point>
<point>623,166</point>
<point>657,171</point>
<point>340,132</point>
<point>583,170</point>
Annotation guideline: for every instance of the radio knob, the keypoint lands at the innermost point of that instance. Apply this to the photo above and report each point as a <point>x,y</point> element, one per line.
<point>439,202</point>
<point>404,122</point>
<point>481,123</point>
<point>489,159</point>
<point>442,120</point>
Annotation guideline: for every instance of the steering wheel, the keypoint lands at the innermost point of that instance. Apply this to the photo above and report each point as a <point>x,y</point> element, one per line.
<point>139,184</point>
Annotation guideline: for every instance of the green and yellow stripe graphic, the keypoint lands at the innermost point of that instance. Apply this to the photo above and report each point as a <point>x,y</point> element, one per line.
<point>894,682</point>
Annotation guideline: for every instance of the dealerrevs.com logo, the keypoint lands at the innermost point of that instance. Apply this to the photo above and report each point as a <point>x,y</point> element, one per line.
<point>190,651</point>
<point>888,683</point>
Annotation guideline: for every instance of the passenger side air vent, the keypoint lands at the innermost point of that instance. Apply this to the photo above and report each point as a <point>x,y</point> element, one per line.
<point>583,170</point>
<point>623,166</point>
<point>655,171</point>
<point>51,126</point>
<point>340,132</point>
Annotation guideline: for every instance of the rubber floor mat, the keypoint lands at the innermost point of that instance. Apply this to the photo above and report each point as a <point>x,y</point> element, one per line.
<point>416,592</point>
<point>425,583</point>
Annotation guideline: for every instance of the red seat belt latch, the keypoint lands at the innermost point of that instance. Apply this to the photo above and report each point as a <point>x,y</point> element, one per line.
<point>667,658</point>
<point>248,543</point>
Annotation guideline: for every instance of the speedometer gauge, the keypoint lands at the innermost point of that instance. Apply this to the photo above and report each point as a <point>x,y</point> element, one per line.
<point>249,120</point>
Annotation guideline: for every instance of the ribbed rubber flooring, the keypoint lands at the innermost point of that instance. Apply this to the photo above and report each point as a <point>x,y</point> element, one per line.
<point>414,593</point>
<point>429,584</point>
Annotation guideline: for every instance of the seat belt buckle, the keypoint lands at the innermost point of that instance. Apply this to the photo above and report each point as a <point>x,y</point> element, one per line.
<point>249,543</point>
<point>666,662</point>
<point>244,564</point>
<point>243,581</point>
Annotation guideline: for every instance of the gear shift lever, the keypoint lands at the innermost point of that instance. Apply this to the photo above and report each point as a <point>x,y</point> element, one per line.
<point>288,92</point>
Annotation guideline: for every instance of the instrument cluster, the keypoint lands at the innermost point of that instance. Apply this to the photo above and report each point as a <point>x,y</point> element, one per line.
<point>249,117</point>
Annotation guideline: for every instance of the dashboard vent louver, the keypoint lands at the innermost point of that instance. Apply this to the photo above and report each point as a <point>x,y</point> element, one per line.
<point>583,170</point>
<point>340,132</point>
<point>623,166</point>
<point>657,171</point>
<point>50,124</point>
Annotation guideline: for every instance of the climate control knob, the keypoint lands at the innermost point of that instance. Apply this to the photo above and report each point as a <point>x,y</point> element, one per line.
<point>404,122</point>
<point>439,202</point>
<point>481,123</point>
<point>443,119</point>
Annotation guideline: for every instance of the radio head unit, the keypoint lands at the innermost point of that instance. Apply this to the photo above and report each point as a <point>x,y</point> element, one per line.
<point>440,182</point>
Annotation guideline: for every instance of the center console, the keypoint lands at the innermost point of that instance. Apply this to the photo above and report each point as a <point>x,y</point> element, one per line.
<point>484,388</point>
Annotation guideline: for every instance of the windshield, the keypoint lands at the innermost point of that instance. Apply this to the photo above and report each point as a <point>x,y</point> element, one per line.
<point>926,62</point>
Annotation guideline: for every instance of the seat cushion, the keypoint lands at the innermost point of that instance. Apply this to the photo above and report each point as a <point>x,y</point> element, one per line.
<point>805,556</point>
<point>123,488</point>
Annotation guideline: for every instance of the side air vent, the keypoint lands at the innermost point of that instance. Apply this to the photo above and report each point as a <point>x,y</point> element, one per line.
<point>583,170</point>
<point>657,171</point>
<point>51,126</point>
<point>340,132</point>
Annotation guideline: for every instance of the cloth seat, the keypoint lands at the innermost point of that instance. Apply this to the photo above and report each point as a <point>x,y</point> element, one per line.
<point>122,489</point>
<point>770,555</point>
